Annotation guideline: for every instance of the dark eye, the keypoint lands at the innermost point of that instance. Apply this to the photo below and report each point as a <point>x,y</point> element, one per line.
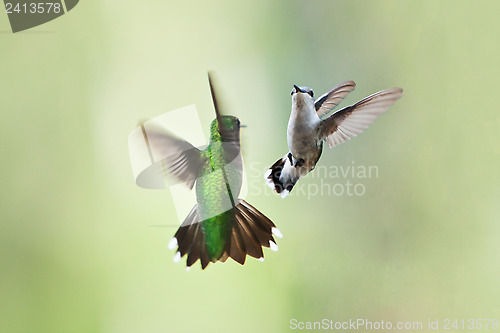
<point>311,93</point>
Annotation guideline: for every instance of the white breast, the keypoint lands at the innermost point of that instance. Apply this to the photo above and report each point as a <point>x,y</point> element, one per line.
<point>302,135</point>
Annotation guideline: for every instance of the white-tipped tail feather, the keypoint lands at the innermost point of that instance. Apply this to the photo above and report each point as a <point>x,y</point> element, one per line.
<point>250,232</point>
<point>172,244</point>
<point>282,176</point>
<point>276,232</point>
<point>284,194</point>
<point>269,180</point>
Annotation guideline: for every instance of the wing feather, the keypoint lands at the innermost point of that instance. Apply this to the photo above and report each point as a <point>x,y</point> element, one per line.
<point>181,159</point>
<point>351,121</point>
<point>328,101</point>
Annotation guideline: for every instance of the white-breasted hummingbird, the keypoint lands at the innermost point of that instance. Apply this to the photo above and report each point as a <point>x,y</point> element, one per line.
<point>308,128</point>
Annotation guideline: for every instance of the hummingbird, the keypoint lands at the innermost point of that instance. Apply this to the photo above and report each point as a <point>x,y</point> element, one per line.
<point>220,225</point>
<point>308,128</point>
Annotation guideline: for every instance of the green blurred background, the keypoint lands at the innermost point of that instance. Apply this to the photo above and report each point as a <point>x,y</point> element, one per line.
<point>77,250</point>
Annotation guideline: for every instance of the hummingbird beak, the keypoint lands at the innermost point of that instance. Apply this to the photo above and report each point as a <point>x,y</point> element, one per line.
<point>297,89</point>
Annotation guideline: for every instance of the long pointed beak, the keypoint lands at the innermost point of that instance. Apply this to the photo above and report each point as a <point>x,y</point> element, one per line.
<point>243,125</point>
<point>297,89</point>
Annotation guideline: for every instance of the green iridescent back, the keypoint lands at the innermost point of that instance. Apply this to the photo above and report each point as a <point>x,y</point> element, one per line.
<point>219,184</point>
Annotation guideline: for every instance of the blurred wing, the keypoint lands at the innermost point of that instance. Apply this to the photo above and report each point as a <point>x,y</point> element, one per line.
<point>331,99</point>
<point>230,137</point>
<point>180,158</point>
<point>214,98</point>
<point>227,134</point>
<point>350,121</point>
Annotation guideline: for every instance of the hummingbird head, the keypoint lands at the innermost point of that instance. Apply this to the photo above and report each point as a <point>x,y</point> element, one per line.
<point>302,90</point>
<point>228,130</point>
<point>302,97</point>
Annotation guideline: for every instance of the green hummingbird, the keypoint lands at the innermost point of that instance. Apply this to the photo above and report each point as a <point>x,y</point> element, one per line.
<point>220,225</point>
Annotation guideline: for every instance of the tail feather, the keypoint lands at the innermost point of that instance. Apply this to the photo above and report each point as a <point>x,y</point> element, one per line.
<point>282,176</point>
<point>260,236</point>
<point>252,244</point>
<point>251,230</point>
<point>190,233</point>
<point>224,257</point>
<point>204,258</point>
<point>191,240</point>
<point>195,248</point>
<point>237,248</point>
<point>261,230</point>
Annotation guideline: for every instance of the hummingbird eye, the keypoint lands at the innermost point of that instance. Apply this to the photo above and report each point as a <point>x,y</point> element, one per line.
<point>310,92</point>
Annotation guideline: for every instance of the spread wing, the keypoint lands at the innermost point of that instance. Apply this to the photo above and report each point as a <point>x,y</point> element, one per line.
<point>180,159</point>
<point>350,121</point>
<point>331,99</point>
